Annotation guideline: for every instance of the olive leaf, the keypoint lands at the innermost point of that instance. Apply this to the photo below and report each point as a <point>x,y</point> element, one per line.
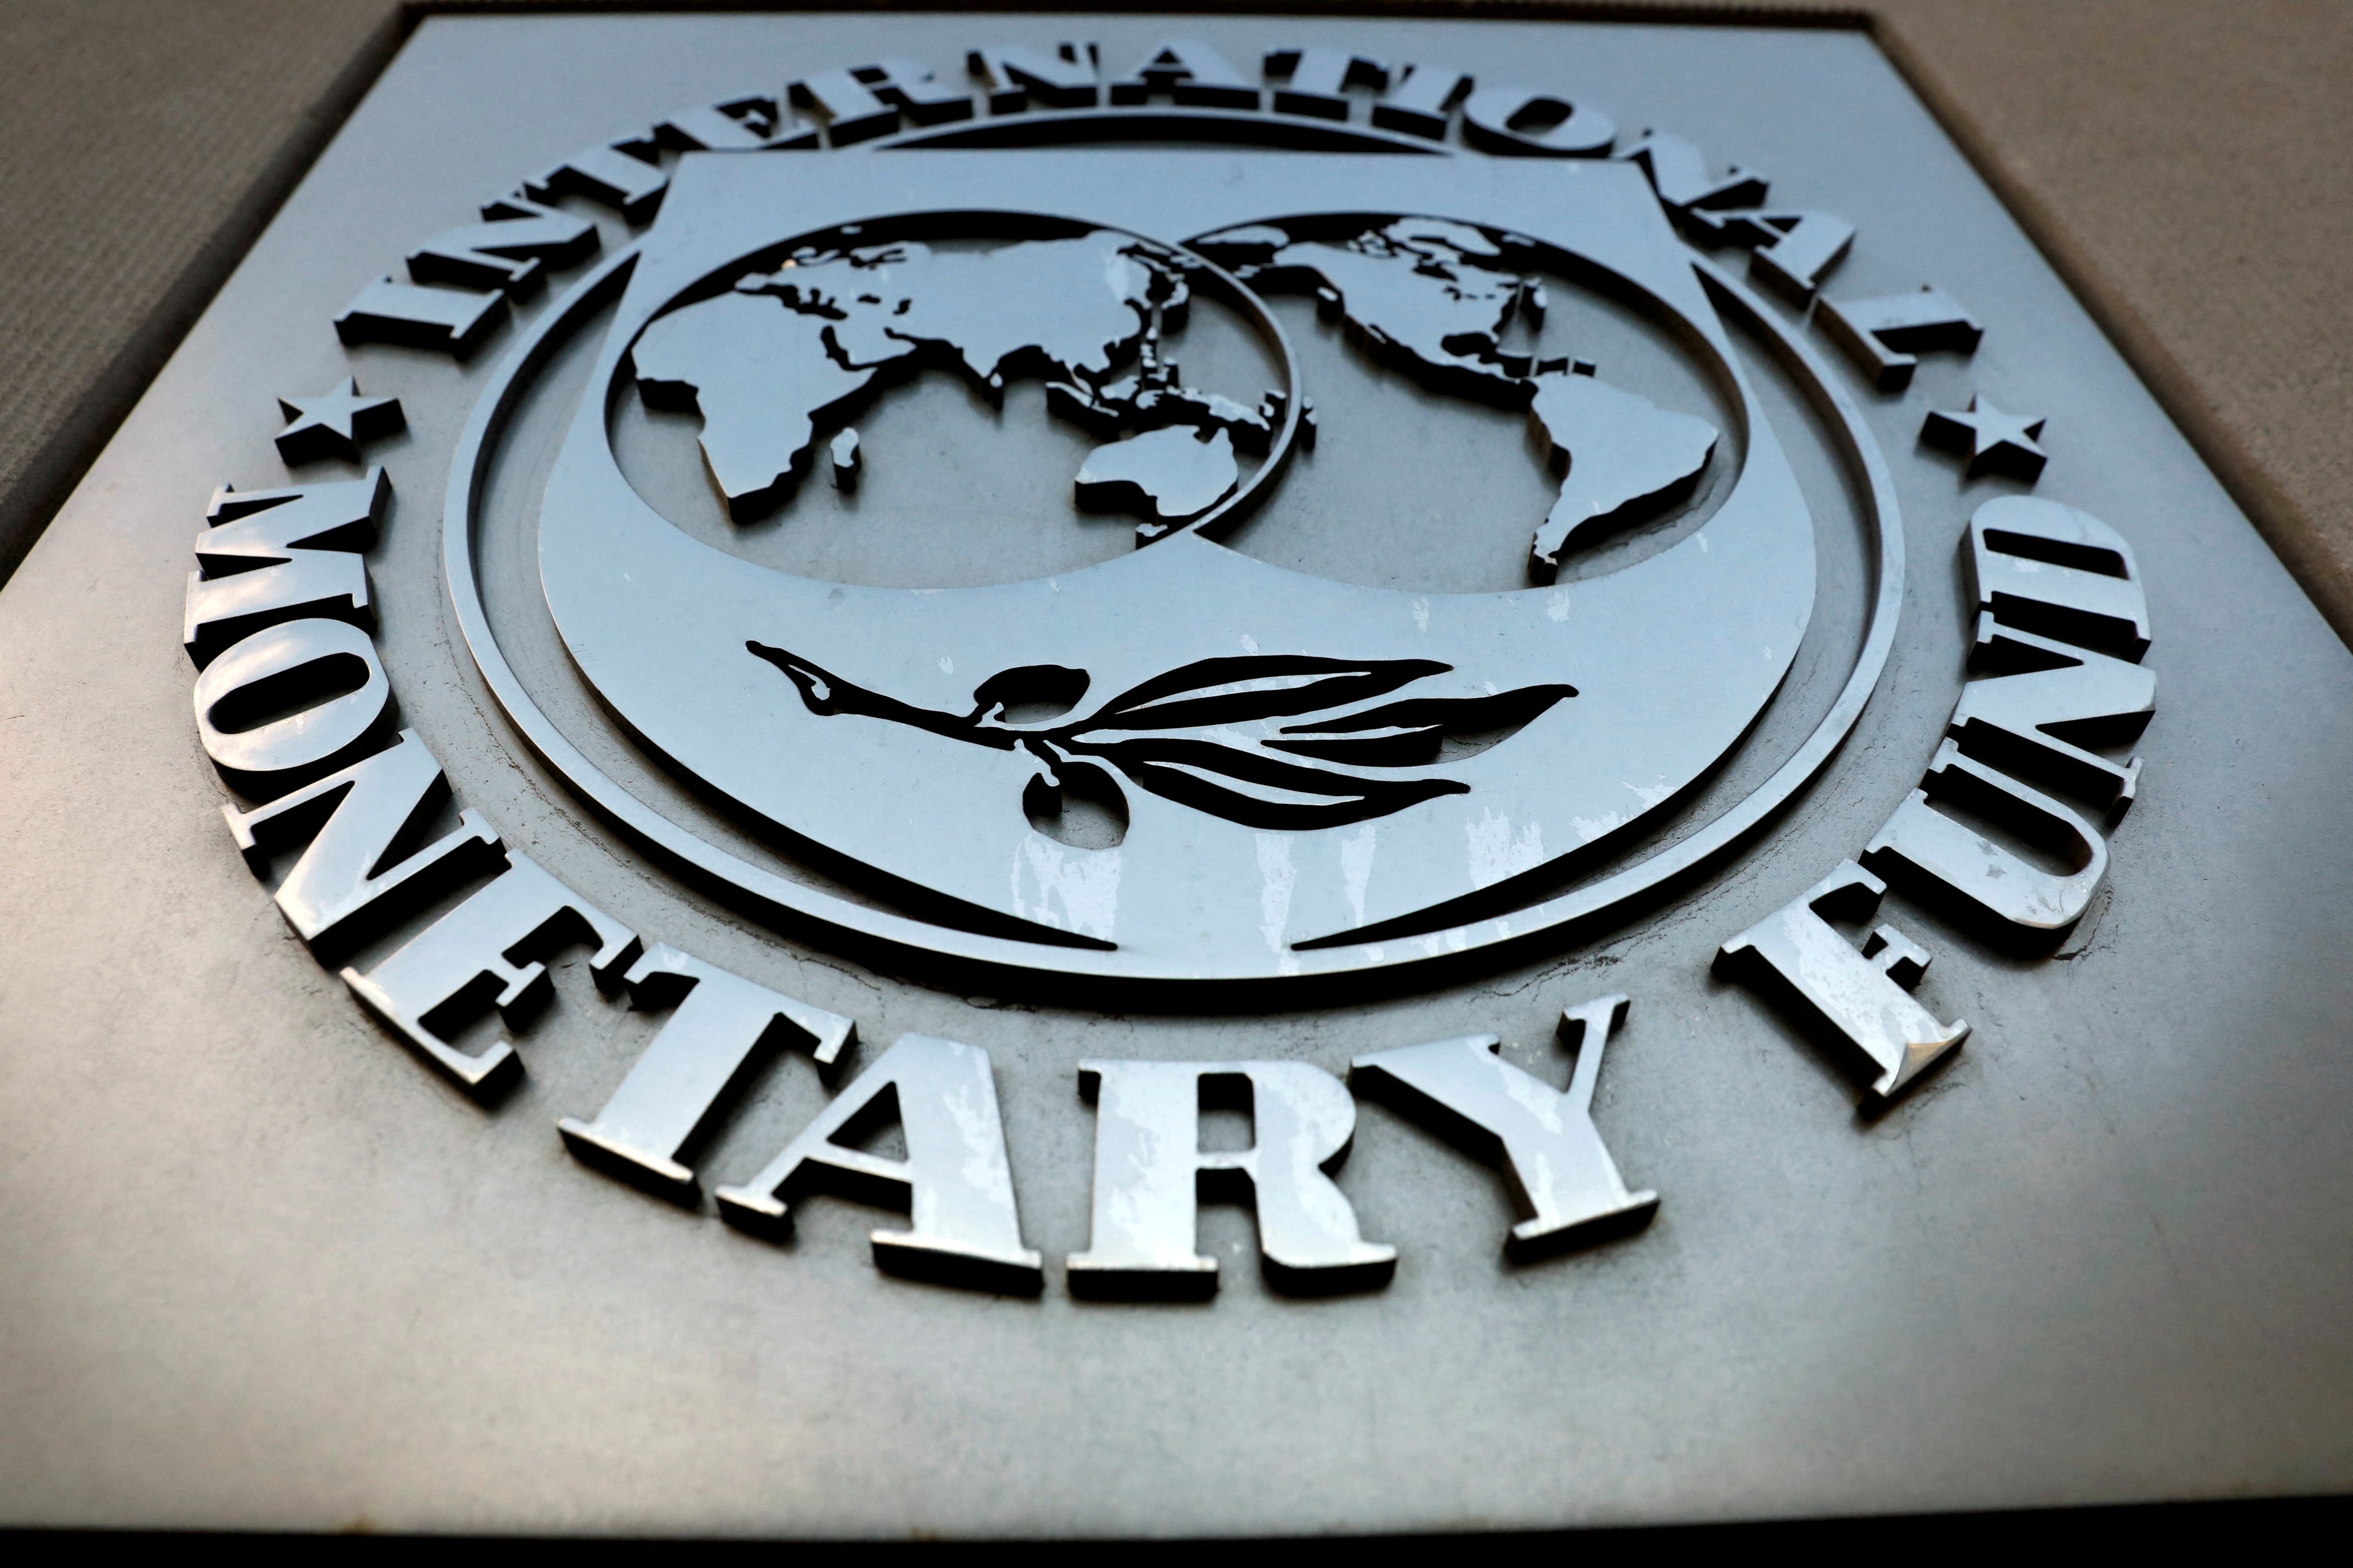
<point>1210,735</point>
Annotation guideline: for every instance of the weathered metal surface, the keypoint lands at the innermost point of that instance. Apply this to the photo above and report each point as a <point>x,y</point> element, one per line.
<point>2099,1254</point>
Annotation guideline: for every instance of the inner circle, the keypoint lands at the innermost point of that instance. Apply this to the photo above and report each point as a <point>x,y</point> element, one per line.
<point>772,892</point>
<point>952,400</point>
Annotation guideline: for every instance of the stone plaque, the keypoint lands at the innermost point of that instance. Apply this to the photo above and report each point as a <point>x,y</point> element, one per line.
<point>1096,775</point>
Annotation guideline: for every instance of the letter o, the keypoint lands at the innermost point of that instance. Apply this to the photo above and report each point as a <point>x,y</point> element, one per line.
<point>297,658</point>
<point>1515,120</point>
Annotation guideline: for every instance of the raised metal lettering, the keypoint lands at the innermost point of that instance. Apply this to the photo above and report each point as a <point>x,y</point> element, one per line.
<point>1011,76</point>
<point>1559,1173</point>
<point>850,111</point>
<point>349,823</point>
<point>920,96</point>
<point>510,250</point>
<point>1859,1002</point>
<point>1419,100</point>
<point>456,322</point>
<point>1954,863</point>
<point>740,125</point>
<point>269,556</point>
<point>1678,172</point>
<point>1518,120</point>
<point>956,1182</point>
<point>2043,567</point>
<point>2030,720</point>
<point>1189,72</point>
<point>244,529</point>
<point>1151,1176</point>
<point>1316,81</point>
<point>621,174</point>
<point>241,698</point>
<point>221,611</point>
<point>723,1026</point>
<point>1794,251</point>
<point>1885,336</point>
<point>489,951</point>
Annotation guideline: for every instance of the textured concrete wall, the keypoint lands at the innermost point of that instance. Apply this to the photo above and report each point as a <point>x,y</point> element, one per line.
<point>2187,162</point>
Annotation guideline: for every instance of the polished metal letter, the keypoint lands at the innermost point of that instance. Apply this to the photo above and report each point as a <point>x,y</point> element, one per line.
<point>739,125</point>
<point>622,176</point>
<point>248,529</point>
<point>1419,100</point>
<point>2044,567</point>
<point>956,1182</point>
<point>453,321</point>
<point>1949,860</point>
<point>1885,336</point>
<point>722,1025</point>
<point>352,820</point>
<point>1559,1172</point>
<point>490,951</point>
<point>329,584</point>
<point>1151,1176</point>
<point>850,111</point>
<point>1794,251</point>
<point>269,556</point>
<point>273,669</point>
<point>1012,76</point>
<point>1316,79</point>
<point>1679,174</point>
<point>1791,251</point>
<point>1191,73</point>
<point>509,250</point>
<point>2016,722</point>
<point>911,85</point>
<point>1856,1000</point>
<point>1517,120</point>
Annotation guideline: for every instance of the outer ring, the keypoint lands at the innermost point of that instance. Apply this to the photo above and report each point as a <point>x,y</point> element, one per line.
<point>895,941</point>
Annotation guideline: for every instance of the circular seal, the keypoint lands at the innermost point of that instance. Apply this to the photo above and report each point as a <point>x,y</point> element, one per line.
<point>1185,762</point>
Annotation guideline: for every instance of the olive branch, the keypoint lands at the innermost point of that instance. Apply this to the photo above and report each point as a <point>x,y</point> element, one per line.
<point>1209,735</point>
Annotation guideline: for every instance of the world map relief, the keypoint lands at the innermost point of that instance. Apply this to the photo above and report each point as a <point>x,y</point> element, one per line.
<point>785,358</point>
<point>1433,298</point>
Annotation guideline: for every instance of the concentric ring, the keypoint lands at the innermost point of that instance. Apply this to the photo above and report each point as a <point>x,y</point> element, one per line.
<point>895,940</point>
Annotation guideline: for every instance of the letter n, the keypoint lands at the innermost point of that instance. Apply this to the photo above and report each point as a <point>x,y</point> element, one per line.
<point>351,876</point>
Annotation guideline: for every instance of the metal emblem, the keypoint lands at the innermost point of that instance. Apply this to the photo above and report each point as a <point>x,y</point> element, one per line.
<point>1161,630</point>
<point>1300,777</point>
<point>1324,776</point>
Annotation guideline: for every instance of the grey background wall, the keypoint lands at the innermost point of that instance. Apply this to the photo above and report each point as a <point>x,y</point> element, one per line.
<point>2186,163</point>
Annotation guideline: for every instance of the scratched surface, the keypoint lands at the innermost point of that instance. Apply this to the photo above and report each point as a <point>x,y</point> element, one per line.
<point>262,1268</point>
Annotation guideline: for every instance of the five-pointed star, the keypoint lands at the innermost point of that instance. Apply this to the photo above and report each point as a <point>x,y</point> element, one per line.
<point>333,424</point>
<point>1994,442</point>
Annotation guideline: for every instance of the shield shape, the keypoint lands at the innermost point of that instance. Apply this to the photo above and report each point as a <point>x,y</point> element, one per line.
<point>1300,760</point>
